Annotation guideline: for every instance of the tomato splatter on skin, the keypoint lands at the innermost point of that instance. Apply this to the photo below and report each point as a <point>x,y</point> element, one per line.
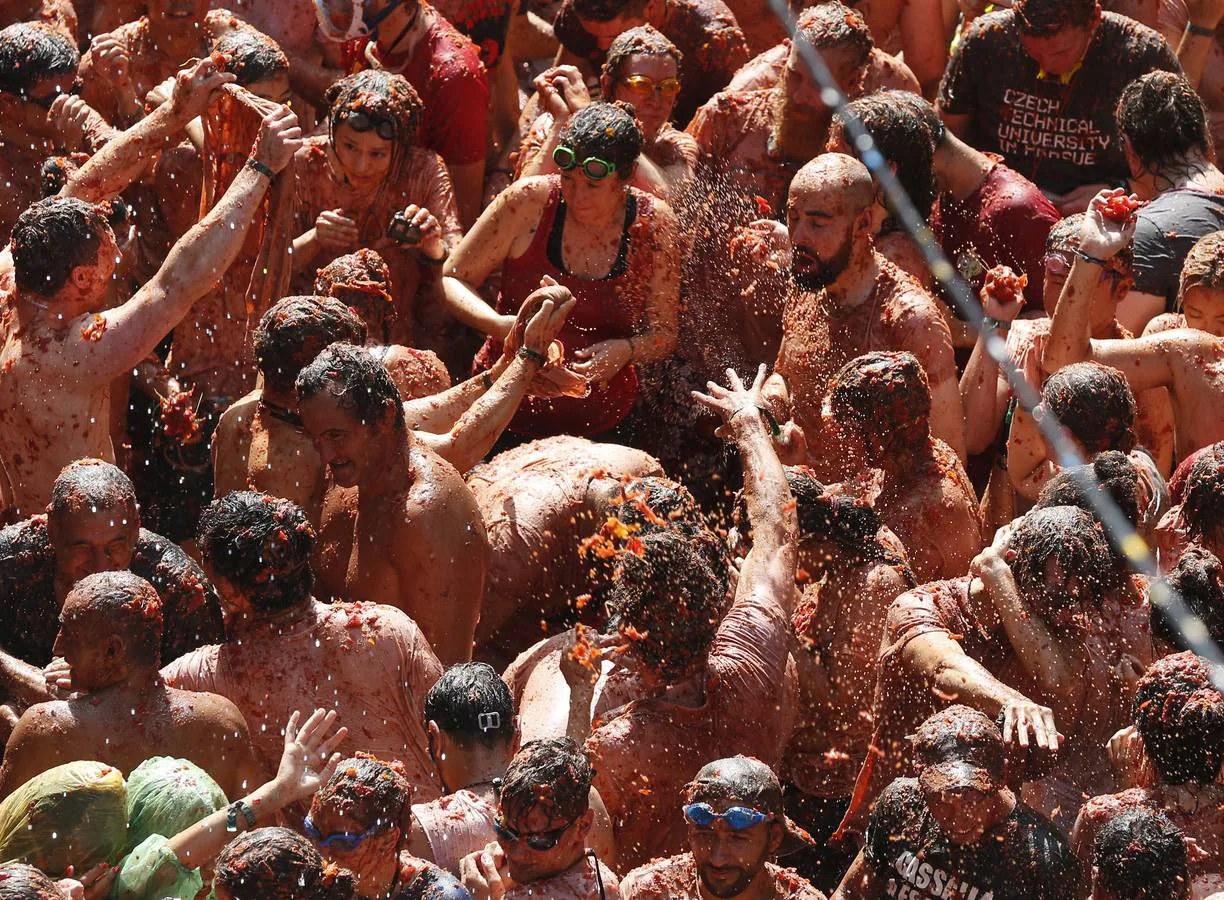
<point>94,328</point>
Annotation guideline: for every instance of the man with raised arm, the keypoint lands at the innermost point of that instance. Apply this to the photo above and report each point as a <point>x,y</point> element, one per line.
<point>58,354</point>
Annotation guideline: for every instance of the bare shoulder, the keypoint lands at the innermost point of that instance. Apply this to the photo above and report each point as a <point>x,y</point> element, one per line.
<point>54,719</point>
<point>437,487</point>
<point>236,420</point>
<point>208,712</point>
<point>525,663</point>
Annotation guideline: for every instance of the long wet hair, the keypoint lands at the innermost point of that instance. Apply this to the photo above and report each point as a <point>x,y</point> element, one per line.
<point>1179,713</point>
<point>1095,403</point>
<point>383,98</point>
<point>1075,541</point>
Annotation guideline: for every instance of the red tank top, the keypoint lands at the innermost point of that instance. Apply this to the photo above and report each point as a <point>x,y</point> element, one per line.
<point>607,308</point>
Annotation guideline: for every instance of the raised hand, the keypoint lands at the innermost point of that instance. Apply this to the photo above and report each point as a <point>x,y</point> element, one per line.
<point>335,231</point>
<point>111,61</point>
<point>729,402</point>
<point>562,91</point>
<point>1101,234</point>
<point>308,760</point>
<point>279,138</point>
<point>552,304</point>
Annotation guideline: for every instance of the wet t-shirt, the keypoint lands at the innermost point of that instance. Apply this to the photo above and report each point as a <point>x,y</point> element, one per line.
<point>368,662</point>
<point>704,31</point>
<point>455,825</point>
<point>1059,132</point>
<point>676,879</point>
<point>29,610</point>
<point>1022,857</point>
<point>1004,222</point>
<point>1165,230</point>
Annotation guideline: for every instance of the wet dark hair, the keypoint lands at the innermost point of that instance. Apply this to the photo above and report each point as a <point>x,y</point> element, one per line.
<point>645,39</point>
<point>609,131</point>
<point>834,24</point>
<point>31,52</point>
<point>668,602</point>
<point>472,704</point>
<point>1041,18</point>
<point>607,10</point>
<point>261,544</point>
<point>1111,472</point>
<point>884,392</point>
<point>90,485</point>
<point>1179,713</point>
<point>925,111</point>
<point>553,774</point>
<point>251,57</point>
<point>358,381</point>
<point>383,97</point>
<point>367,790</point>
<point>1141,855</point>
<point>1164,119</point>
<point>1076,542</point>
<point>124,604</point>
<point>21,882</point>
<point>1095,403</point>
<point>1198,578</point>
<point>902,136</point>
<point>742,778</point>
<point>52,238</point>
<point>362,281</point>
<point>1203,500</point>
<point>279,864</point>
<point>295,330</point>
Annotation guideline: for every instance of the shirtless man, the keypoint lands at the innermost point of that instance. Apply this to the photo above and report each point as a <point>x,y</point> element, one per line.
<point>848,300</point>
<point>285,650</point>
<point>1179,719</point>
<point>543,821</point>
<point>110,635</point>
<point>92,525</point>
<point>736,824</point>
<point>1045,633</point>
<point>926,497</point>
<point>854,568</point>
<point>1188,361</point>
<point>58,355</point>
<point>539,501</point>
<point>400,527</point>
<point>38,65</point>
<point>712,685</point>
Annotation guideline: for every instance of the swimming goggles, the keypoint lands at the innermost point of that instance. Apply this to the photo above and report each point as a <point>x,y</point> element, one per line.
<point>644,86</point>
<point>343,840</point>
<point>737,818</point>
<point>592,167</point>
<point>362,122</point>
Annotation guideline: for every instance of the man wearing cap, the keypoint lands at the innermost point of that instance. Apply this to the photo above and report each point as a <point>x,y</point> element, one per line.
<point>957,829</point>
<point>735,825</point>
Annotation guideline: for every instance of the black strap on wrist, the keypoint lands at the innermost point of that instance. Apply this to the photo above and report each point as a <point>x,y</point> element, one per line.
<point>231,816</point>
<point>1088,258</point>
<point>534,356</point>
<point>1200,30</point>
<point>253,163</point>
<point>993,324</point>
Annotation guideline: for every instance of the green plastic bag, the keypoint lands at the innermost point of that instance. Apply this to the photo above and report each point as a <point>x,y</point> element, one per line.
<point>153,872</point>
<point>167,795</point>
<point>71,815</point>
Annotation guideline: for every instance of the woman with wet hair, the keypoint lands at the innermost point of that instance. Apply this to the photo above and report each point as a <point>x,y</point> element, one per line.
<point>361,820</point>
<point>641,69</point>
<point>589,230</point>
<point>367,182</point>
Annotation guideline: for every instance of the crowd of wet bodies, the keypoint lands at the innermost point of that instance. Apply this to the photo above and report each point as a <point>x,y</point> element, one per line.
<point>494,449</point>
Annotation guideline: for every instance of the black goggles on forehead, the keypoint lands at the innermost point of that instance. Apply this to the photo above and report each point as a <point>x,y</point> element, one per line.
<point>362,122</point>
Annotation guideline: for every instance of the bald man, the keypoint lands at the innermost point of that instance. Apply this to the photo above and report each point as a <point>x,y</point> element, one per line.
<point>843,300</point>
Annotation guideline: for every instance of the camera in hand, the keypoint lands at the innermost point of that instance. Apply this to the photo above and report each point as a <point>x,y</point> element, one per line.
<point>402,231</point>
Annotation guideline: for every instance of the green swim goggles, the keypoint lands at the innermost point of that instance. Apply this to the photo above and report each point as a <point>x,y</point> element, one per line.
<point>592,167</point>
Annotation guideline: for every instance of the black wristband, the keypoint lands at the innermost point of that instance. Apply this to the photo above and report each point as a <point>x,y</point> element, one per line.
<point>486,379</point>
<point>1200,30</point>
<point>253,163</point>
<point>430,261</point>
<point>231,816</point>
<point>527,353</point>
<point>1095,260</point>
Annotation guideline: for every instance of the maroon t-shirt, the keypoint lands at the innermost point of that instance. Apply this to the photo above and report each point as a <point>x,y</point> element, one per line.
<point>1057,131</point>
<point>1004,222</point>
<point>704,31</point>
<point>447,73</point>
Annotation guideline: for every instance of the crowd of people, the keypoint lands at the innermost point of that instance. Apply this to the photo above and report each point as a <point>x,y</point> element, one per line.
<point>500,449</point>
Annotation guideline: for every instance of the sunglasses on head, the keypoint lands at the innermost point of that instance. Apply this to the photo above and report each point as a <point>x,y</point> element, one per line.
<point>737,818</point>
<point>592,167</point>
<point>644,86</point>
<point>343,840</point>
<point>540,840</point>
<point>362,122</point>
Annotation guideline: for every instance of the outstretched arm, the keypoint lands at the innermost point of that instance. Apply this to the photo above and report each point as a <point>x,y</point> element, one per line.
<point>109,171</point>
<point>116,340</point>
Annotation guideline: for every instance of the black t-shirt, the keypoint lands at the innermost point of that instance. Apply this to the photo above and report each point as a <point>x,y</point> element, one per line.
<point>1024,857</point>
<point>1165,231</point>
<point>29,612</point>
<point>1058,135</point>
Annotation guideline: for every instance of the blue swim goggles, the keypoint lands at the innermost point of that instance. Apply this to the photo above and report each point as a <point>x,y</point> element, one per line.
<point>344,841</point>
<point>737,818</point>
